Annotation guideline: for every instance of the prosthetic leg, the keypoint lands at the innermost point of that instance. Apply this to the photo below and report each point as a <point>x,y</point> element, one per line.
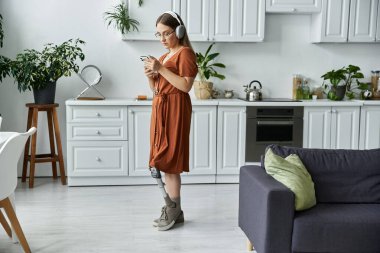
<point>156,174</point>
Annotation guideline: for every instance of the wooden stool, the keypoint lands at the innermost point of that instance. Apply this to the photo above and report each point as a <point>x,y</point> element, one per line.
<point>34,158</point>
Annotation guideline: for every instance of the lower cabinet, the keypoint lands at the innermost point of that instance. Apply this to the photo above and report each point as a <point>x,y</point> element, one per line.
<point>203,141</point>
<point>335,127</point>
<point>370,127</point>
<point>139,139</point>
<point>97,144</point>
<point>91,158</point>
<point>230,142</point>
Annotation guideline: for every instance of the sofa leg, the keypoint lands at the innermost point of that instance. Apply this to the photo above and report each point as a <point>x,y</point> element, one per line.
<point>249,245</point>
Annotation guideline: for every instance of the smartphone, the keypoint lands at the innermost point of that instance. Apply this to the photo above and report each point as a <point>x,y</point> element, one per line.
<point>144,57</point>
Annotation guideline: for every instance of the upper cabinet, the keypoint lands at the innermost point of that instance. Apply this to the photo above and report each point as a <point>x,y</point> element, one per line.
<point>205,20</point>
<point>331,24</point>
<point>224,20</point>
<point>147,15</point>
<point>378,23</point>
<point>293,6</point>
<point>363,17</point>
<point>346,20</point>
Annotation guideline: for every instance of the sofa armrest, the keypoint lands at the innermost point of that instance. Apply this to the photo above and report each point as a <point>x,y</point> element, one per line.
<point>266,211</point>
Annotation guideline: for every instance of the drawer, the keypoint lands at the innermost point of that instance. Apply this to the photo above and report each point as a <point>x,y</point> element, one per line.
<point>97,114</point>
<point>89,158</point>
<point>96,132</point>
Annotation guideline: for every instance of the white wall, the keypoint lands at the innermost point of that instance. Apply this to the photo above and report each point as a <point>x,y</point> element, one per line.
<point>286,50</point>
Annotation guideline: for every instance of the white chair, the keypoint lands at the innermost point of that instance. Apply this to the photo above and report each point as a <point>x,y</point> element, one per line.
<point>10,153</point>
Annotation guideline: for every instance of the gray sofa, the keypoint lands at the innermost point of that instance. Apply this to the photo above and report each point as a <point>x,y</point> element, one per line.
<point>347,215</point>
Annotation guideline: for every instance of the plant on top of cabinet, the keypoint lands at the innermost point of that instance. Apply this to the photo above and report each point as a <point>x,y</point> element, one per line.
<point>1,31</point>
<point>40,71</point>
<point>343,82</point>
<point>120,19</point>
<point>206,69</point>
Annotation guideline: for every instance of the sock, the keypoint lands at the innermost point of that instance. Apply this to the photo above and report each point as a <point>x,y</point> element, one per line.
<point>177,201</point>
<point>169,202</point>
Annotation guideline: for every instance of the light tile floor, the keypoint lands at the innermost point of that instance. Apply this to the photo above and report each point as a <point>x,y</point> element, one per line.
<point>58,218</point>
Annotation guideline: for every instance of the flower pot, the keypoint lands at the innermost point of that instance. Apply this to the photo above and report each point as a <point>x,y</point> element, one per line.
<point>337,92</point>
<point>203,90</point>
<point>46,95</point>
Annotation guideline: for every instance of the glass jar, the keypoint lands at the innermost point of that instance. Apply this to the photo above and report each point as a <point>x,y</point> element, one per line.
<point>375,80</point>
<point>305,89</point>
<point>297,81</point>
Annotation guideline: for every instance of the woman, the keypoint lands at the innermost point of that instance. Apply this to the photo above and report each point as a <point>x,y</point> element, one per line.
<point>171,78</point>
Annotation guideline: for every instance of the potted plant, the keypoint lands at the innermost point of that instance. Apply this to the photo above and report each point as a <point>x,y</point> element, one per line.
<point>342,82</point>
<point>120,19</point>
<point>206,70</point>
<point>39,71</point>
<point>353,84</point>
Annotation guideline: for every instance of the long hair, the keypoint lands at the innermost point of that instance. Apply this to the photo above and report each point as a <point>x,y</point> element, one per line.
<point>169,20</point>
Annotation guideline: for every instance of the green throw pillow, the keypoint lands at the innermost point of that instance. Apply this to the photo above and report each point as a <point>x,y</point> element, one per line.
<point>292,173</point>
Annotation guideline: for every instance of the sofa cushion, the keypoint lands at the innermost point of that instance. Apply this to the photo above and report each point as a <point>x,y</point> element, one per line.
<point>293,174</point>
<point>337,228</point>
<point>340,176</point>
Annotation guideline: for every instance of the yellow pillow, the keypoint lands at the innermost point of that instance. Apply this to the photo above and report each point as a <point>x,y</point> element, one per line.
<point>292,173</point>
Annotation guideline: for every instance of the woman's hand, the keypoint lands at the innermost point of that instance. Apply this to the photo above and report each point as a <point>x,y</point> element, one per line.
<point>150,74</point>
<point>152,64</point>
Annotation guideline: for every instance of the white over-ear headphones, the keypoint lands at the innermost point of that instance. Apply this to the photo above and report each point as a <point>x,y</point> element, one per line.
<point>180,29</point>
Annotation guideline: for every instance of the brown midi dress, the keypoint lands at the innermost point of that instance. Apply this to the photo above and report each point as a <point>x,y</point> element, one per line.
<point>171,116</point>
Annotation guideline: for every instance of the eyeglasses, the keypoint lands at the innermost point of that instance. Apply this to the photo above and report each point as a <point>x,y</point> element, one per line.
<point>164,35</point>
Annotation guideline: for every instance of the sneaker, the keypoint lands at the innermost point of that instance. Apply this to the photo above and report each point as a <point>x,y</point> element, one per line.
<point>180,219</point>
<point>168,217</point>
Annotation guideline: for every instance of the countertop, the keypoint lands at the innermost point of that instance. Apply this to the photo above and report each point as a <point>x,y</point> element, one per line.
<point>228,102</point>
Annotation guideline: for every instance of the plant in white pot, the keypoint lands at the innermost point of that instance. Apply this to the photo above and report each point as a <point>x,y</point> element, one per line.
<point>206,70</point>
<point>39,71</point>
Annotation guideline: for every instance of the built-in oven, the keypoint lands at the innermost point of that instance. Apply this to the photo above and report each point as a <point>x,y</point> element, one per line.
<point>272,125</point>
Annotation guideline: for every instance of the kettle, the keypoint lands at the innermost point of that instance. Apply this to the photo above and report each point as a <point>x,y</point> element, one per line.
<point>253,94</point>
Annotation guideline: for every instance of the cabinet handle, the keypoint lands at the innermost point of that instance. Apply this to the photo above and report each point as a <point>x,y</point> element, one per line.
<point>98,114</point>
<point>294,10</point>
<point>98,132</point>
<point>333,111</point>
<point>98,159</point>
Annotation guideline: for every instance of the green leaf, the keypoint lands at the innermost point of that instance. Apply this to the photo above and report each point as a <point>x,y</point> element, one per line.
<point>120,19</point>
<point>206,65</point>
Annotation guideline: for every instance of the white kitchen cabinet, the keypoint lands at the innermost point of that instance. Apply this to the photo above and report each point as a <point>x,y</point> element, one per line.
<point>363,18</point>
<point>203,140</point>
<point>378,23</point>
<point>334,127</point>
<point>97,142</point>
<point>195,15</point>
<point>139,139</point>
<point>231,139</point>
<point>331,24</point>
<point>224,20</point>
<point>346,20</point>
<point>370,127</point>
<point>147,15</point>
<point>96,159</point>
<point>293,6</point>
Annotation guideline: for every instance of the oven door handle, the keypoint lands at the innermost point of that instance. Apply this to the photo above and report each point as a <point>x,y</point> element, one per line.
<point>275,122</point>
